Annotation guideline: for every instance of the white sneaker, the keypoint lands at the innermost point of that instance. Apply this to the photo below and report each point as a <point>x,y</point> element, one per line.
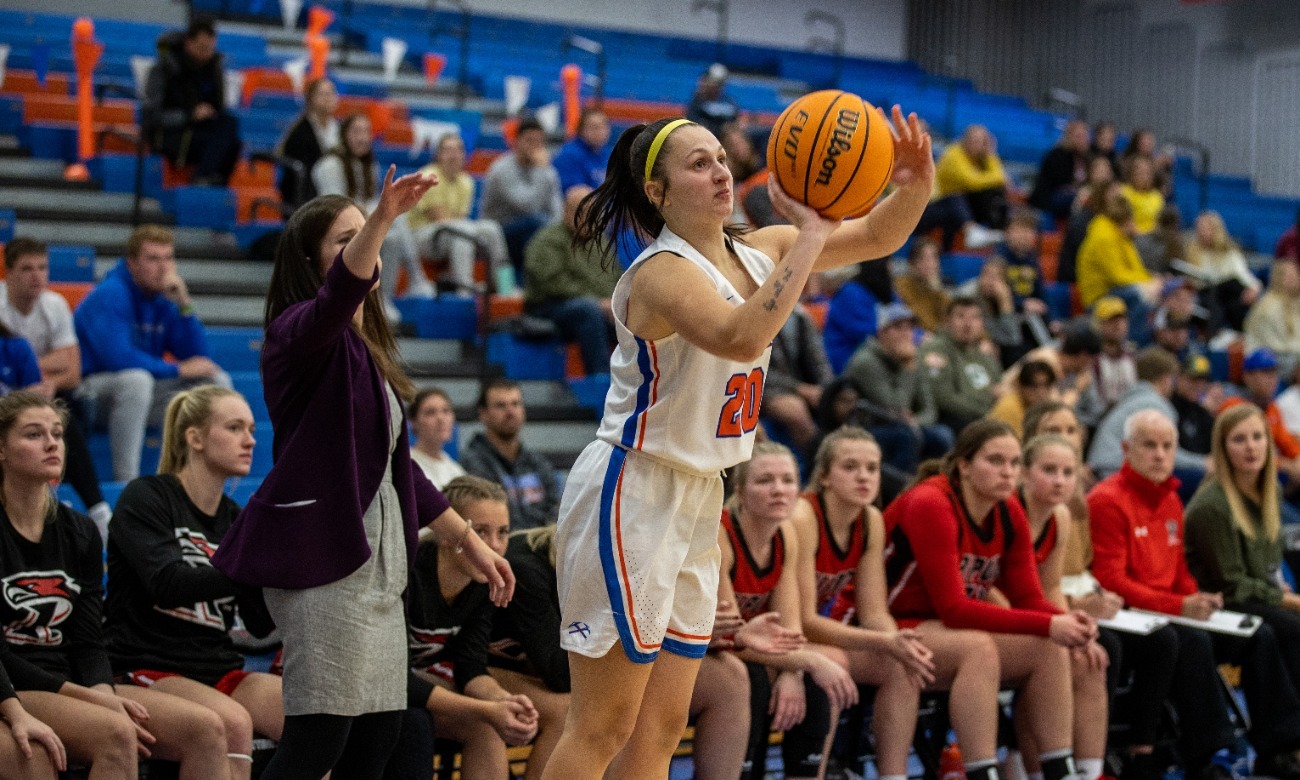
<point>978,237</point>
<point>420,288</point>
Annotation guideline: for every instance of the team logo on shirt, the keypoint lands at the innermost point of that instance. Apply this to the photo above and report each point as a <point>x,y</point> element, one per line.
<point>426,645</point>
<point>1171,528</point>
<point>196,551</point>
<point>37,602</point>
<point>752,603</point>
<point>977,571</point>
<point>830,585</point>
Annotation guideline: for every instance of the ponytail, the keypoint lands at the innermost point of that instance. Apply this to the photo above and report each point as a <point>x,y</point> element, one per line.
<point>618,209</point>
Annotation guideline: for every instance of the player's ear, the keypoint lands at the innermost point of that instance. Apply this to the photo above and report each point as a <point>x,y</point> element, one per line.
<point>654,192</point>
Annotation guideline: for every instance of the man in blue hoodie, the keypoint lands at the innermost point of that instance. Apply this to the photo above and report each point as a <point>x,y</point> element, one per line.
<point>140,312</point>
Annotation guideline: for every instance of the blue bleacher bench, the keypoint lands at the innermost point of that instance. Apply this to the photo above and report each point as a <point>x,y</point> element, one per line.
<point>72,263</point>
<point>444,317</point>
<point>527,359</point>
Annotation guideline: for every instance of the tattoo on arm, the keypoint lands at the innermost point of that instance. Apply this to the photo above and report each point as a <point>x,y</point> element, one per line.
<point>777,288</point>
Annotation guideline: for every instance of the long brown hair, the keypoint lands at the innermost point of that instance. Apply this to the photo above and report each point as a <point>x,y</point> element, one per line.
<point>297,277</point>
<point>363,190</point>
<point>619,206</point>
<point>1224,473</point>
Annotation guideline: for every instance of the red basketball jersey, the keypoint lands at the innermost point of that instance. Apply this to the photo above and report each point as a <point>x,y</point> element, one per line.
<point>752,583</point>
<point>836,568</point>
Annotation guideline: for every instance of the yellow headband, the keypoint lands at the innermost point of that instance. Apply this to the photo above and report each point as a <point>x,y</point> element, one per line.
<point>658,143</point>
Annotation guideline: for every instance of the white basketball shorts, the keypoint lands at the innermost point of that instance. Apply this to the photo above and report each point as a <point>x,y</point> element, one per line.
<point>637,556</point>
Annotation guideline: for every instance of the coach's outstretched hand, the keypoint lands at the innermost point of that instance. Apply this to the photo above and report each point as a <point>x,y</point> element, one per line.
<point>913,159</point>
<point>400,196</point>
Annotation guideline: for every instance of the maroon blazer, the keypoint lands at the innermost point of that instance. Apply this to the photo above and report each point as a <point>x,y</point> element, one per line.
<point>329,411</point>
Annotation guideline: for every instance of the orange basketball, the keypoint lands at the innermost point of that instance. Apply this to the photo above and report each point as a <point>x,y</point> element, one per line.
<point>832,151</point>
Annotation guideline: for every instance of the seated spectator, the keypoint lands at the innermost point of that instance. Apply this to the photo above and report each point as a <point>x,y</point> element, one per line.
<point>1288,245</point>
<point>314,133</point>
<point>960,367</point>
<point>796,375</point>
<point>1162,247</point>
<point>41,316</point>
<point>1087,204</point>
<point>1234,524</point>
<point>851,317</point>
<point>1002,325</point>
<point>752,204</point>
<point>1157,372</point>
<point>443,229</point>
<point>1035,383</point>
<point>955,538</point>
<point>572,287</point>
<point>895,397</point>
<point>1220,263</point>
<point>971,169</point>
<point>1138,538</point>
<point>1140,191</point>
<point>51,563</point>
<point>350,170</point>
<point>184,108</point>
<point>1175,334</point>
<point>710,105</point>
<point>433,422</point>
<point>1260,378</point>
<point>521,190</point>
<point>498,454</point>
<point>1142,144</point>
<point>1195,401</point>
<point>582,161</point>
<point>1274,320</point>
<point>921,288</point>
<point>1109,265</point>
<point>761,560</point>
<point>1020,253</point>
<point>742,160</point>
<point>1103,146</point>
<point>18,367</point>
<point>838,553</point>
<point>449,623</point>
<point>1062,172</point>
<point>139,314</point>
<point>1114,366</point>
<point>1072,360</point>
<point>168,612</point>
<point>1049,479</point>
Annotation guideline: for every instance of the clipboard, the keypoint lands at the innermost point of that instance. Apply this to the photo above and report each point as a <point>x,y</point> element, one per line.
<point>1137,622</point>
<point>1223,621</point>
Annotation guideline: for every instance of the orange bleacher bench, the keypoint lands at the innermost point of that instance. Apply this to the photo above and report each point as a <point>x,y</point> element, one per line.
<point>24,82</point>
<point>63,108</point>
<point>72,292</point>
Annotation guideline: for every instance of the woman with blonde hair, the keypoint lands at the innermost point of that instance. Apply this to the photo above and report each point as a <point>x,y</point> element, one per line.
<point>1274,320</point>
<point>53,647</point>
<point>1220,262</point>
<point>1234,540</point>
<point>168,610</point>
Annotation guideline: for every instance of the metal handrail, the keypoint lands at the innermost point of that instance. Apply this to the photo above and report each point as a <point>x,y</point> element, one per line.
<point>464,33</point>
<point>101,89</point>
<point>597,50</point>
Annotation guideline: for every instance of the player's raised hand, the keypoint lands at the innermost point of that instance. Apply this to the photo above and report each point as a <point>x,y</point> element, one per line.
<point>913,158</point>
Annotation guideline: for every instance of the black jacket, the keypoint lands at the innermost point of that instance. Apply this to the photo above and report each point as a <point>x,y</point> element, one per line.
<point>174,88</point>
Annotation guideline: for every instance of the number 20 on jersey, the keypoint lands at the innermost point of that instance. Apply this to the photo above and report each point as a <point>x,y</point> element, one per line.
<point>739,415</point>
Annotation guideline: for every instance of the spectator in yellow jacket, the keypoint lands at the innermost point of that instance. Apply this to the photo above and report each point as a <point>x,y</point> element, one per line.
<point>971,168</point>
<point>1109,264</point>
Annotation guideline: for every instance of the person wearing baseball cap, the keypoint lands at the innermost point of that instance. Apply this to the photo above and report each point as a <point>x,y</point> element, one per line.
<point>1194,399</point>
<point>896,401</point>
<point>1176,333</point>
<point>1116,371</point>
<point>1259,377</point>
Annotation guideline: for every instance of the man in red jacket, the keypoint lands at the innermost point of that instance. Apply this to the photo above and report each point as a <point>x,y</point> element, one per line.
<point>1137,538</point>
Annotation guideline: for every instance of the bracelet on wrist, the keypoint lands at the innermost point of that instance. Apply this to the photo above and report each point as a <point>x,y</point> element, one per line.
<point>460,543</point>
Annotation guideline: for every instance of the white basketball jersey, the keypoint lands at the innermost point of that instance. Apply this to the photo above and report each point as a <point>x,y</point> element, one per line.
<point>672,400</point>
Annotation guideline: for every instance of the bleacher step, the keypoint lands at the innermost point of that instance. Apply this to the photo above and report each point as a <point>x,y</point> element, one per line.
<point>72,206</point>
<point>30,170</point>
<point>211,277</point>
<point>109,239</point>
<point>239,310</point>
<point>560,441</point>
<point>544,399</point>
<point>10,146</point>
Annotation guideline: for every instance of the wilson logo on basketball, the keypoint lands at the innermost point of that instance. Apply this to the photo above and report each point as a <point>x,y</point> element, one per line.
<point>841,141</point>
<point>790,146</point>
